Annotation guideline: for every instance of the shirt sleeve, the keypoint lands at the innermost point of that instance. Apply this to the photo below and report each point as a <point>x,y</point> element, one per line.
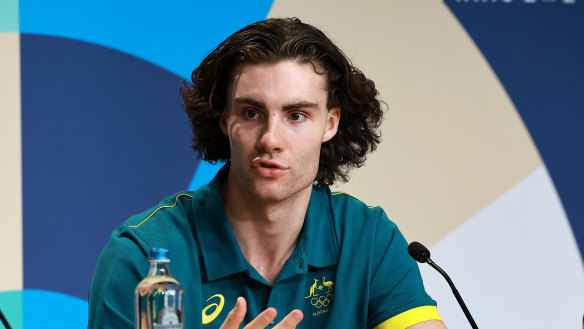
<point>121,266</point>
<point>411,317</point>
<point>397,297</point>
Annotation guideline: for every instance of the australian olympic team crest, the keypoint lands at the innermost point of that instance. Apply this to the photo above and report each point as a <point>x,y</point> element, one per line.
<point>320,296</point>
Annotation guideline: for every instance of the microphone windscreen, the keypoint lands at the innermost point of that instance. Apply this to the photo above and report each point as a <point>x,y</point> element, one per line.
<point>419,252</point>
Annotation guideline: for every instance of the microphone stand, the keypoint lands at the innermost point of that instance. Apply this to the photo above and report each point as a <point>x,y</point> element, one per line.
<point>6,325</point>
<point>455,292</point>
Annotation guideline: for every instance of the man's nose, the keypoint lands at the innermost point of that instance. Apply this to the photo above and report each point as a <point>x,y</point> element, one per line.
<point>271,137</point>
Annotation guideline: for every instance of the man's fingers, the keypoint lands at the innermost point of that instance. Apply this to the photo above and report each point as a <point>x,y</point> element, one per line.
<point>291,320</point>
<point>263,319</point>
<point>236,315</point>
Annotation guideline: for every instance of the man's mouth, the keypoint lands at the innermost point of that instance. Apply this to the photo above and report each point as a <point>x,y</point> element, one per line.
<point>265,163</point>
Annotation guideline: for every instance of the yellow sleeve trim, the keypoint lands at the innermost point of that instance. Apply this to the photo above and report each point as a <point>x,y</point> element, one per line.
<point>152,214</point>
<point>339,193</point>
<point>411,317</point>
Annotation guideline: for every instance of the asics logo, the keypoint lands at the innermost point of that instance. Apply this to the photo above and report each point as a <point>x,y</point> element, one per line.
<point>208,318</point>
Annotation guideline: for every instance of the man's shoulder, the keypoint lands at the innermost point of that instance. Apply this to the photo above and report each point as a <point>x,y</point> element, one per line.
<point>351,204</point>
<point>169,225</point>
<point>348,210</point>
<point>171,206</point>
<point>349,200</point>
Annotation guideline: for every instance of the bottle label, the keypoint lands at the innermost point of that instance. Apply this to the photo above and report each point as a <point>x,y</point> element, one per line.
<point>168,319</point>
<point>168,326</point>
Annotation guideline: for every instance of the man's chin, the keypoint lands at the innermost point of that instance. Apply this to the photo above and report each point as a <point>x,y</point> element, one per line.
<point>274,193</point>
<point>265,195</point>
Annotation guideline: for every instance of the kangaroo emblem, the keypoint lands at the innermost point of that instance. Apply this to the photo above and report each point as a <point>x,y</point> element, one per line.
<point>328,284</point>
<point>312,289</point>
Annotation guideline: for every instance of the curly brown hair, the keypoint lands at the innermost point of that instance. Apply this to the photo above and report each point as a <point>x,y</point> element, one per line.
<point>275,40</point>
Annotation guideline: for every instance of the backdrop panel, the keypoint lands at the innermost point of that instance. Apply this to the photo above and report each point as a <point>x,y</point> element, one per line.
<point>480,155</point>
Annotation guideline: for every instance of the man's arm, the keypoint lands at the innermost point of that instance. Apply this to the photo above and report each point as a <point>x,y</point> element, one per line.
<point>397,295</point>
<point>120,267</point>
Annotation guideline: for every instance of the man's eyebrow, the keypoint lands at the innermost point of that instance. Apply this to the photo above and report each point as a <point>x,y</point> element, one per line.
<point>250,101</point>
<point>300,105</point>
<point>290,106</point>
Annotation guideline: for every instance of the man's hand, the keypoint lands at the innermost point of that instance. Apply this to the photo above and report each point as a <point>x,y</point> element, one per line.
<point>236,315</point>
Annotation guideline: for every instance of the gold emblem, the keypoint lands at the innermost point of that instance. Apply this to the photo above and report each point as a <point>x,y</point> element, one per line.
<point>311,290</point>
<point>208,318</point>
<point>322,300</point>
<point>328,284</point>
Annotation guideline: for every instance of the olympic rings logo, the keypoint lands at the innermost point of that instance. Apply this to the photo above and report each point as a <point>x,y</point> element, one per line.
<point>322,301</point>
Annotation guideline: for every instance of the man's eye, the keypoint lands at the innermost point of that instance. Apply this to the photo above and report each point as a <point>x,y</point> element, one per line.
<point>250,114</point>
<point>297,116</point>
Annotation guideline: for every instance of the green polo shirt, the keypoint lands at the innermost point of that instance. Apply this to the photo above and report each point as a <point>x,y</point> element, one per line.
<point>350,267</point>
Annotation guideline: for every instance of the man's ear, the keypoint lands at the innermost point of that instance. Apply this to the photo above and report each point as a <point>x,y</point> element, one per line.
<point>332,123</point>
<point>223,121</point>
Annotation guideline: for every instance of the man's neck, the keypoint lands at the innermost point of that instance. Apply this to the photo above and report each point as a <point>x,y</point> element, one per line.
<point>266,232</point>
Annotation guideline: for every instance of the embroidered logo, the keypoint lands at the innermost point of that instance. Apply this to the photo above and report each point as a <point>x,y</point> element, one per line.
<point>320,296</point>
<point>208,318</point>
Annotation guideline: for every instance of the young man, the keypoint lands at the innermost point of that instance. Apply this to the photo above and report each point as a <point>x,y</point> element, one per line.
<point>266,238</point>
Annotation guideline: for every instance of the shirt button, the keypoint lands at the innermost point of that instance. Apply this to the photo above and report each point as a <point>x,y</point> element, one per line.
<point>272,323</point>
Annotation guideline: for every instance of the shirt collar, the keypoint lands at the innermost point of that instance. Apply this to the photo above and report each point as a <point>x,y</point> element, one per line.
<point>317,244</point>
<point>219,249</point>
<point>319,239</point>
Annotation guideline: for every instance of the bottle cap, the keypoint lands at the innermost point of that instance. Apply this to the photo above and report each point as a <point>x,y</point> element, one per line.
<point>158,254</point>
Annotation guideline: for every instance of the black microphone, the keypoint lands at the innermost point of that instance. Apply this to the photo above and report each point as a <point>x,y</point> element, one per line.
<point>421,254</point>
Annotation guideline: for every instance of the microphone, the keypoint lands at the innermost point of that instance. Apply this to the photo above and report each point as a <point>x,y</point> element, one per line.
<point>422,255</point>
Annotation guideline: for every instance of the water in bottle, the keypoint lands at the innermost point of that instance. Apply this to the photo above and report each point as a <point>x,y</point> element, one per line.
<point>159,297</point>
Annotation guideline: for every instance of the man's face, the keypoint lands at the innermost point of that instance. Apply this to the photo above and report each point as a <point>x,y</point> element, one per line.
<point>276,120</point>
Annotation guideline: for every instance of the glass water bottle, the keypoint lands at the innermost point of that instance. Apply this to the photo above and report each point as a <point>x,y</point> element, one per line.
<point>159,297</point>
